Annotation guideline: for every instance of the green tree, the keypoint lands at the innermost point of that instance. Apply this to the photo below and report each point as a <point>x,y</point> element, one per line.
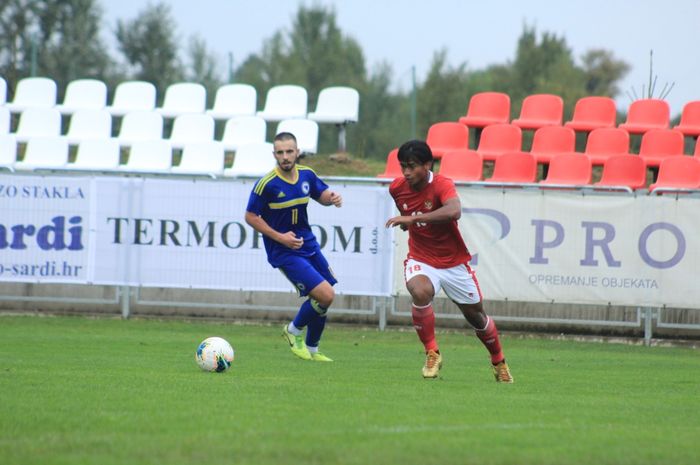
<point>203,67</point>
<point>441,97</point>
<point>71,46</point>
<point>314,54</point>
<point>603,72</point>
<point>149,45</point>
<point>18,32</point>
<point>384,116</point>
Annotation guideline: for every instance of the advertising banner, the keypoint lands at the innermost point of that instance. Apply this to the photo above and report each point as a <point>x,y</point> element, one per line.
<point>553,246</point>
<point>192,233</point>
<point>45,228</point>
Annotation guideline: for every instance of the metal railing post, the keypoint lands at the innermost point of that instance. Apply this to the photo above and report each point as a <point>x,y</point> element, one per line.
<point>125,296</point>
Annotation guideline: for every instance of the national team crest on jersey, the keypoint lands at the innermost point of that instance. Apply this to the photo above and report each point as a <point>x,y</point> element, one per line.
<point>428,204</point>
<point>305,187</point>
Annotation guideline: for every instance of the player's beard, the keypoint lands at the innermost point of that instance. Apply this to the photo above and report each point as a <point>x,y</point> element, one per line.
<point>286,165</point>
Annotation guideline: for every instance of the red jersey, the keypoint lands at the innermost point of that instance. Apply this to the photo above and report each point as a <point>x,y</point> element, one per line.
<point>440,245</point>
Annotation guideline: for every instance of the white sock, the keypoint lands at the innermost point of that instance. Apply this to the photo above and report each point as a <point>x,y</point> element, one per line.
<point>312,350</point>
<point>293,329</point>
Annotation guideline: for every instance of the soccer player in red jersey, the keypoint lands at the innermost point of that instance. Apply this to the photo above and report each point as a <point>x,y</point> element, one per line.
<point>437,256</point>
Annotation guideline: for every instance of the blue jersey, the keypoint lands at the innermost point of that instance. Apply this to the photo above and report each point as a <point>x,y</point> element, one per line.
<point>282,204</point>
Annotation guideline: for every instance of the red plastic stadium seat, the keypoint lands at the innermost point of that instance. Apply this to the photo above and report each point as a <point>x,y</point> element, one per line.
<point>516,167</point>
<point>499,138</point>
<point>593,112</point>
<point>569,168</point>
<point>647,114</point>
<point>624,170</point>
<point>486,108</point>
<point>604,143</point>
<point>659,144</point>
<point>462,165</point>
<point>690,119</point>
<point>552,140</point>
<point>540,110</point>
<point>446,136</point>
<point>678,172</point>
<point>392,169</point>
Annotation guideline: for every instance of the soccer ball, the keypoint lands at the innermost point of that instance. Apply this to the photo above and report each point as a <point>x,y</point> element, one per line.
<point>214,354</point>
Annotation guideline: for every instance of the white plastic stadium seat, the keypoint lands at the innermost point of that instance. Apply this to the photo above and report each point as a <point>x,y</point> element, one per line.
<point>244,130</point>
<point>8,151</point>
<point>38,122</point>
<point>44,153</point>
<point>88,124</point>
<point>252,160</point>
<point>83,94</point>
<point>3,90</point>
<point>5,119</point>
<point>201,158</point>
<point>234,100</point>
<point>193,127</point>
<point>97,155</point>
<point>337,105</point>
<point>140,125</point>
<point>182,98</point>
<point>33,92</point>
<point>133,96</point>
<point>150,156</point>
<point>285,102</point>
<point>305,131</point>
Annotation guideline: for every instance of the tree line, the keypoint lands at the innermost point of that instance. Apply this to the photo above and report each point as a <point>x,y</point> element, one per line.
<point>63,40</point>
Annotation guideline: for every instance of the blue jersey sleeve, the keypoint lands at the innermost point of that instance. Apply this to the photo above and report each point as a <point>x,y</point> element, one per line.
<point>256,203</point>
<point>317,186</point>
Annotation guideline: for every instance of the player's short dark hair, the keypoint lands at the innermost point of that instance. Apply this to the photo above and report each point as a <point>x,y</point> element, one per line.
<point>416,150</point>
<point>285,136</point>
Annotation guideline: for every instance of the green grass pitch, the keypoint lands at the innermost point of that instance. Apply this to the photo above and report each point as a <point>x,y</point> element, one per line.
<point>107,391</point>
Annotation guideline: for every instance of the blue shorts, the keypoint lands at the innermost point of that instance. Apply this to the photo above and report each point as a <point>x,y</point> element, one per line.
<point>305,273</point>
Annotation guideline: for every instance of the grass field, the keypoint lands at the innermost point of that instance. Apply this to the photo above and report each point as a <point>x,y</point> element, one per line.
<point>106,391</point>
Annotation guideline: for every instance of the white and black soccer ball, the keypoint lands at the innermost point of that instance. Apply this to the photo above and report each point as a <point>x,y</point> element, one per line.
<point>214,354</point>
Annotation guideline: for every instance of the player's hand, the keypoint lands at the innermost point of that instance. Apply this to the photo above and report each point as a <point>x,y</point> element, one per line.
<point>291,240</point>
<point>336,199</point>
<point>401,221</point>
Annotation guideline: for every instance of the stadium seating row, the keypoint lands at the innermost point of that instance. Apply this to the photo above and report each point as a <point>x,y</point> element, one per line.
<point>144,156</point>
<point>547,141</point>
<point>148,125</point>
<point>566,170</point>
<point>540,110</point>
<point>336,105</point>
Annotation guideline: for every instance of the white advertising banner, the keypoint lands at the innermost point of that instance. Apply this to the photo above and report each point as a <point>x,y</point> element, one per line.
<point>45,229</point>
<point>551,246</point>
<point>192,233</point>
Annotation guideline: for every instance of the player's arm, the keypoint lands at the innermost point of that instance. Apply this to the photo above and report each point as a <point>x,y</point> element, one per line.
<point>451,210</point>
<point>288,239</point>
<point>328,197</point>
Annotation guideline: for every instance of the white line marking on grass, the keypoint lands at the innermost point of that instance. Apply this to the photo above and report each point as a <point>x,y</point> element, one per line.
<point>401,429</point>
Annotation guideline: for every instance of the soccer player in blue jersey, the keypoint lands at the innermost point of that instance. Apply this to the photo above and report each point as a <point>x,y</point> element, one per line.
<point>277,210</point>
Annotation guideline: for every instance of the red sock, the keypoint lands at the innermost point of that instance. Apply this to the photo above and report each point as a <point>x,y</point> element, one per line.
<point>489,337</point>
<point>424,322</point>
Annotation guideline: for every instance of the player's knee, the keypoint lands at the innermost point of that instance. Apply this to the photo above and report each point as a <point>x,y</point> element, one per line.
<point>323,294</point>
<point>319,307</point>
<point>421,296</point>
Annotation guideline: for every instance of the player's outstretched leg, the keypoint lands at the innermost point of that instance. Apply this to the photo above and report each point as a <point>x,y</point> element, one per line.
<point>296,342</point>
<point>424,324</point>
<point>315,330</point>
<point>489,337</point>
<point>486,331</point>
